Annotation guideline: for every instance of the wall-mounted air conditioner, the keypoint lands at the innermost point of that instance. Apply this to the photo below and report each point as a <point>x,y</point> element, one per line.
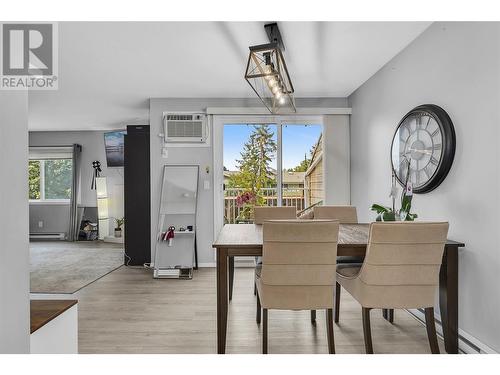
<point>185,127</point>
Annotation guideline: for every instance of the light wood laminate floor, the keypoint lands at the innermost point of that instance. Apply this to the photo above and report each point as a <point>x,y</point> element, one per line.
<point>127,311</point>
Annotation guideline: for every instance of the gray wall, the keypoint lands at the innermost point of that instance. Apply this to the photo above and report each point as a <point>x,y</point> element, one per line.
<point>54,218</point>
<point>92,149</point>
<point>14,253</point>
<point>456,66</point>
<point>202,156</point>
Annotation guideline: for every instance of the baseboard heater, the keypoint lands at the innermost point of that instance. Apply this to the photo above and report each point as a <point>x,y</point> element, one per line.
<point>466,343</point>
<point>48,236</point>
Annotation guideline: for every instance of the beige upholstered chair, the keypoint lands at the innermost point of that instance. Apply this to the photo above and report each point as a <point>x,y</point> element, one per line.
<point>400,271</point>
<point>344,214</point>
<point>261,214</point>
<point>298,269</point>
<point>273,213</point>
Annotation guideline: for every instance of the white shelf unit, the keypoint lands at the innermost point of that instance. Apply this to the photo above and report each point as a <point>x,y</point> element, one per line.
<point>178,203</point>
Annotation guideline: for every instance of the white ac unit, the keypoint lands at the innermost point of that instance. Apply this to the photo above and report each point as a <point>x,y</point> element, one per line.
<point>185,127</point>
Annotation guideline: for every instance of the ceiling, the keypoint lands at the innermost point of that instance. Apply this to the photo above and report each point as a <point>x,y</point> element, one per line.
<point>109,70</point>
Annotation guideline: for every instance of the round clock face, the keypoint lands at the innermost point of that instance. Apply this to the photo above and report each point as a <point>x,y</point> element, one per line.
<point>423,147</point>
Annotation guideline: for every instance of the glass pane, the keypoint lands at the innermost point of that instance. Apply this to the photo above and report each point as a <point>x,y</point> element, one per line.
<point>34,179</point>
<point>58,178</point>
<point>250,166</point>
<point>302,179</point>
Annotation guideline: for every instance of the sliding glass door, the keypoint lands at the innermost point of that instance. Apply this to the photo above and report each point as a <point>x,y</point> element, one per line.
<point>270,164</point>
<point>250,169</point>
<point>302,165</point>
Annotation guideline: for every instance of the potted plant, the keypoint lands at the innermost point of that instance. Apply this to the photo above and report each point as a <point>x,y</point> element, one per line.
<point>118,228</point>
<point>391,214</point>
<point>245,203</point>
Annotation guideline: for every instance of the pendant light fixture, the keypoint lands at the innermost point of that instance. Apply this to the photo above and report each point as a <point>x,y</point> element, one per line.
<point>267,73</point>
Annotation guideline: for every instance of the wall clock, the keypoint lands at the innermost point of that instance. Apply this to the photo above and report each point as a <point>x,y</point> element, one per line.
<point>424,138</point>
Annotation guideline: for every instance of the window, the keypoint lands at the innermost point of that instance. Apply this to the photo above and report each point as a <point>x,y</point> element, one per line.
<point>50,179</point>
<point>270,164</point>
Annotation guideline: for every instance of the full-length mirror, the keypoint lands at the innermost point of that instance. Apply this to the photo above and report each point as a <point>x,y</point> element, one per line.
<point>180,186</point>
<point>176,241</point>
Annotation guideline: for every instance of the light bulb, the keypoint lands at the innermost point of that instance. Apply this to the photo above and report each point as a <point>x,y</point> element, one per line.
<point>282,100</point>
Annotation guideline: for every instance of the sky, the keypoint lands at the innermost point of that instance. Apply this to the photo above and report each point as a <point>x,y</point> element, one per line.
<point>297,140</point>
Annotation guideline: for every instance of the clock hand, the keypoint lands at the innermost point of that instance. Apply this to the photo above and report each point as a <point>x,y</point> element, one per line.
<point>410,150</point>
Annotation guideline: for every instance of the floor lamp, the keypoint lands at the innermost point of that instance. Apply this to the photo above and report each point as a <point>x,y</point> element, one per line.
<point>102,207</point>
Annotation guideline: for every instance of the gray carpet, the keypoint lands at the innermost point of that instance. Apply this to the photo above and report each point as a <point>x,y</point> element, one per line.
<point>66,267</point>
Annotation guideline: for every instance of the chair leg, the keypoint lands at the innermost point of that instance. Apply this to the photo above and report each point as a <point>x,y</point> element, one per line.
<point>259,309</point>
<point>264,331</point>
<point>313,317</point>
<point>329,330</point>
<point>367,330</point>
<point>337,302</point>
<point>431,330</point>
<point>254,289</point>
<point>231,277</point>
<point>388,315</point>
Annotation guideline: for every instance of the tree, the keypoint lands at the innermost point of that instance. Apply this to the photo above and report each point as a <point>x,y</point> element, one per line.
<point>254,170</point>
<point>57,182</point>
<point>304,164</point>
<point>34,179</point>
<point>302,167</point>
<point>58,178</point>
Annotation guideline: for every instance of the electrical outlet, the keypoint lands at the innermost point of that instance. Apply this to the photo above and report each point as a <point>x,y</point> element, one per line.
<point>206,185</point>
<point>40,224</point>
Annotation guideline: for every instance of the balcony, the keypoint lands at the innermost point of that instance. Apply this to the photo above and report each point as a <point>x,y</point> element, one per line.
<point>294,197</point>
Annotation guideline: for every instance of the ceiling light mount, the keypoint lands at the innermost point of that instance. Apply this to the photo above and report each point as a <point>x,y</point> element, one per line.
<point>274,35</point>
<point>267,73</point>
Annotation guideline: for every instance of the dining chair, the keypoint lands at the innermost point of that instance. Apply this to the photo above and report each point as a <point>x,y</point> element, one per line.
<point>261,214</point>
<point>298,270</point>
<point>400,271</point>
<point>345,215</point>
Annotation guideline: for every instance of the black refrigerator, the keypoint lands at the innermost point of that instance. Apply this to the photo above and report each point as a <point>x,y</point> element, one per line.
<point>137,195</point>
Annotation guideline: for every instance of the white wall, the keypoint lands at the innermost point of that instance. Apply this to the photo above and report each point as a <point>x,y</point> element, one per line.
<point>14,253</point>
<point>456,66</point>
<point>92,149</point>
<point>336,159</point>
<point>202,156</point>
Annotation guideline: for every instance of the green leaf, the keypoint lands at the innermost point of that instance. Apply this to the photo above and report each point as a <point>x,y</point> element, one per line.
<point>380,209</point>
<point>388,216</point>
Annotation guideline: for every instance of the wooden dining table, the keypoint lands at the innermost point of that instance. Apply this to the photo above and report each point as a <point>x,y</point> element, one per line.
<point>245,240</point>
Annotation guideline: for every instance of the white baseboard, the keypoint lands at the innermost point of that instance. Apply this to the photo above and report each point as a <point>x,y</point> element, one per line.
<point>206,265</point>
<point>467,343</point>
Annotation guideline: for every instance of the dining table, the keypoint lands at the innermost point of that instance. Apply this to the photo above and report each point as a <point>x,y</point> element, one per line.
<point>245,240</point>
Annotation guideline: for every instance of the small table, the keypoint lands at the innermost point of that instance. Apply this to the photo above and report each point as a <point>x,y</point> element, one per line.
<point>246,240</point>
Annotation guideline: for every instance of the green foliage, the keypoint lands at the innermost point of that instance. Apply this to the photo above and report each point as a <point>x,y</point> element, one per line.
<point>384,213</point>
<point>304,164</point>
<point>34,179</point>
<point>57,178</point>
<point>254,168</point>
<point>119,222</point>
<point>388,214</point>
<point>302,167</point>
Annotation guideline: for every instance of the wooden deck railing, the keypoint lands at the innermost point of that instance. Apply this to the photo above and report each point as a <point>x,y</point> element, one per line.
<point>290,197</point>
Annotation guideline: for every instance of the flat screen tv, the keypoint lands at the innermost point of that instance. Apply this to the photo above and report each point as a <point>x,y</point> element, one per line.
<point>114,144</point>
